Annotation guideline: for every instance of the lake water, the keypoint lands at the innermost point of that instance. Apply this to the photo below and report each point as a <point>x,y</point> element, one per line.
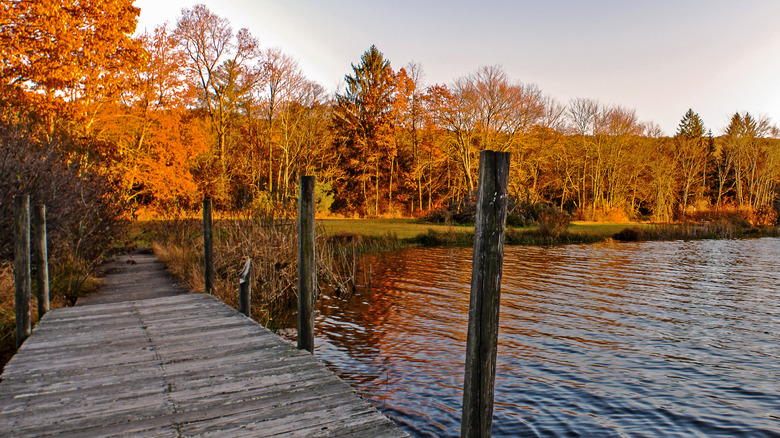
<point>656,339</point>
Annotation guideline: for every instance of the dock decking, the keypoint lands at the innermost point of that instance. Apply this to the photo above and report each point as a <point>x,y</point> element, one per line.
<point>179,365</point>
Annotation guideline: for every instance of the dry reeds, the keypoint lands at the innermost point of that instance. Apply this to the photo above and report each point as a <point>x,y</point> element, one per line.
<point>272,245</point>
<point>712,226</point>
<point>7,312</point>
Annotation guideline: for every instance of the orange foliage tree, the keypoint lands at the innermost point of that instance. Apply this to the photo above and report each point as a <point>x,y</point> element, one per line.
<point>68,57</point>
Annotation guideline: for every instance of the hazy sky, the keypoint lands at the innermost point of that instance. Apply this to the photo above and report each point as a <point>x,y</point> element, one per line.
<point>659,57</point>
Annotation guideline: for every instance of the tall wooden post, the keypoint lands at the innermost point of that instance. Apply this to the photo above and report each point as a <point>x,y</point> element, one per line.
<point>306,273</point>
<point>22,267</point>
<point>487,263</point>
<point>245,289</point>
<point>208,247</point>
<point>41,259</point>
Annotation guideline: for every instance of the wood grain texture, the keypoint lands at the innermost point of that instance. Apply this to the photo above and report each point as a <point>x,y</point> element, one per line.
<point>485,298</point>
<point>179,365</point>
<point>208,247</point>
<point>306,263</point>
<point>22,279</point>
<point>41,254</point>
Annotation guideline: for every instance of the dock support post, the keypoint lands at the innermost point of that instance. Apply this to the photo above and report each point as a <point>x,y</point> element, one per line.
<point>208,247</point>
<point>487,264</point>
<point>41,259</point>
<point>22,267</point>
<point>306,267</point>
<point>245,289</point>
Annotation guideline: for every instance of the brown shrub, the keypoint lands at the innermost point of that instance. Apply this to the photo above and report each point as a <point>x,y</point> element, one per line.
<point>553,222</point>
<point>631,234</point>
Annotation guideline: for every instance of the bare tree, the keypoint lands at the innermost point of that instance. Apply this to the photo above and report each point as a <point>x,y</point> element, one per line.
<point>283,79</point>
<point>221,63</point>
<point>484,110</point>
<point>605,137</point>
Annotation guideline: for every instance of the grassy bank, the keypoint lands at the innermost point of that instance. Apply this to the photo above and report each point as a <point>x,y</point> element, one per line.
<point>410,232</point>
<point>413,232</point>
<point>400,228</point>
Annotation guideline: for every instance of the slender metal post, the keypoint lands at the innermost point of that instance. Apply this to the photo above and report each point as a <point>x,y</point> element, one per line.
<point>208,247</point>
<point>41,259</point>
<point>487,264</point>
<point>306,272</point>
<point>22,267</point>
<point>245,289</point>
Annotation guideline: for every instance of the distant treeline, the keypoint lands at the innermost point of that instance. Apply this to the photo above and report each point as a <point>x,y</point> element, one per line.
<point>199,109</point>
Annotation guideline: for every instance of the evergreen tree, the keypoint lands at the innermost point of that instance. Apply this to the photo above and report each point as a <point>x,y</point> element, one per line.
<point>691,126</point>
<point>691,154</point>
<point>363,121</point>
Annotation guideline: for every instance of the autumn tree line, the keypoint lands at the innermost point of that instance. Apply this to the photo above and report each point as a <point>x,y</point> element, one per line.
<point>196,108</point>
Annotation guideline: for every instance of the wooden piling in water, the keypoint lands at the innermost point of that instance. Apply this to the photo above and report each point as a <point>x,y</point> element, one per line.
<point>245,289</point>
<point>306,268</point>
<point>22,267</point>
<point>487,264</point>
<point>208,247</point>
<point>41,256</point>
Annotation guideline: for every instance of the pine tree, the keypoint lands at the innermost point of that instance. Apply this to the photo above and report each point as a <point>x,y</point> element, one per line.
<point>364,127</point>
<point>691,153</point>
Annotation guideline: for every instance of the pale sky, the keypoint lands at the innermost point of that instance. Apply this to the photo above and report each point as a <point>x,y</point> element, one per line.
<point>659,57</point>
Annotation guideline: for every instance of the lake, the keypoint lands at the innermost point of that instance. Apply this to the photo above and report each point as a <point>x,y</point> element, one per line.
<point>655,339</point>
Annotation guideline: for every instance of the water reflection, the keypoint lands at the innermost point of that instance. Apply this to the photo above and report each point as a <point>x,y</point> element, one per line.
<point>615,339</point>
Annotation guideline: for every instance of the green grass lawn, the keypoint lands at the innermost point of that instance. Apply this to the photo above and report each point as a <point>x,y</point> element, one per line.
<point>409,228</point>
<point>402,228</point>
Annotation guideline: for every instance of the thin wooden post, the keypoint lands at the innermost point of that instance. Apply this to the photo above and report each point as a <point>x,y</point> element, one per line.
<point>245,289</point>
<point>306,274</point>
<point>208,247</point>
<point>41,259</point>
<point>487,263</point>
<point>22,267</point>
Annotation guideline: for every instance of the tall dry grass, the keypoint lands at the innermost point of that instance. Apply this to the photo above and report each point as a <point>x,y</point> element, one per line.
<point>708,225</point>
<point>7,312</point>
<point>272,245</point>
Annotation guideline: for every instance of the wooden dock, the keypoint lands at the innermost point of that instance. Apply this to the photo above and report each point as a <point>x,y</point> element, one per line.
<point>172,364</point>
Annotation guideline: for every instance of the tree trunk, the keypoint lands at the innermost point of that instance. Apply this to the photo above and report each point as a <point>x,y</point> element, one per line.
<point>390,188</point>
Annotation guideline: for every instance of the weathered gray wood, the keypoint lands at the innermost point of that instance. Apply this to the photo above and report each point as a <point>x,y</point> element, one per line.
<point>22,278</point>
<point>41,259</point>
<point>487,263</point>
<point>208,247</point>
<point>306,267</point>
<point>131,277</point>
<point>178,365</point>
<point>245,289</point>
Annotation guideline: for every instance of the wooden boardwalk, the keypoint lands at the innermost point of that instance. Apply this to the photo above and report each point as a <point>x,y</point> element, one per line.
<point>178,365</point>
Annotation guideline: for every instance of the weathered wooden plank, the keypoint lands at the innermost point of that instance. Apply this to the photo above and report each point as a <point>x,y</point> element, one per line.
<point>288,409</point>
<point>93,390</point>
<point>148,373</point>
<point>179,365</point>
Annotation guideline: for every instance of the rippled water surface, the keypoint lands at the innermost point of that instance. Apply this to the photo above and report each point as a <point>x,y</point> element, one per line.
<point>655,339</point>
